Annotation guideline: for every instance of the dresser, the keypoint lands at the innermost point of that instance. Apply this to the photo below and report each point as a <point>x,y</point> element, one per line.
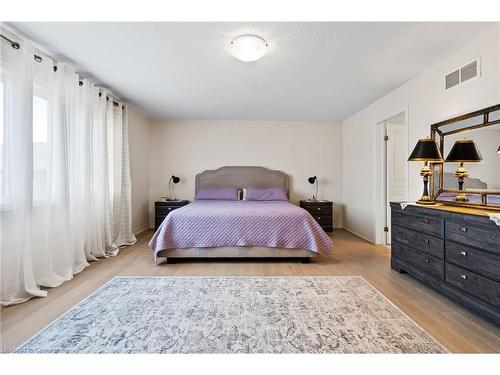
<point>452,249</point>
<point>162,209</point>
<point>322,211</point>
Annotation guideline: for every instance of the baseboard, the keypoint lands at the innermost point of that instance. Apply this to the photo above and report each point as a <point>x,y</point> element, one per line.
<point>359,234</point>
<point>141,230</point>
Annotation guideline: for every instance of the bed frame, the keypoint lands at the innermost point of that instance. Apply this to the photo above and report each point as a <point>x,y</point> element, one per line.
<point>239,177</point>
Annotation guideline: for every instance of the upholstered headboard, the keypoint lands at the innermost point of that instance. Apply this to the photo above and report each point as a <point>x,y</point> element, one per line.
<point>240,177</point>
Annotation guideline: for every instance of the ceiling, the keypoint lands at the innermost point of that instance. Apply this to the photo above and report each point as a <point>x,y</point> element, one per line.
<point>312,71</point>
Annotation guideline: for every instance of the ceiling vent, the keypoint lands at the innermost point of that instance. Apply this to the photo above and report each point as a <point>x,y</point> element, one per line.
<point>460,75</point>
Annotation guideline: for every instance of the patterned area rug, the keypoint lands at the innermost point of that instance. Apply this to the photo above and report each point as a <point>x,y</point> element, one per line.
<point>234,315</point>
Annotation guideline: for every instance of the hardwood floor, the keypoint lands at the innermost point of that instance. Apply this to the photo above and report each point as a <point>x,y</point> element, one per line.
<point>458,329</point>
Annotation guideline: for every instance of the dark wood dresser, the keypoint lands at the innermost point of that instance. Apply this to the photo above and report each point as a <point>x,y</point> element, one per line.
<point>322,211</point>
<point>454,250</point>
<point>162,209</point>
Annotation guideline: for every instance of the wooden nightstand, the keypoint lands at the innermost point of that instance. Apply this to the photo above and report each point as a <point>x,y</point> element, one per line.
<point>322,211</point>
<point>162,209</point>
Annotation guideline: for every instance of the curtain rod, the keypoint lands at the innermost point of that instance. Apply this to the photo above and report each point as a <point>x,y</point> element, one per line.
<point>38,58</point>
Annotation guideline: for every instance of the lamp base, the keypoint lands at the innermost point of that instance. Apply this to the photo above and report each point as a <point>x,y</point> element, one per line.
<point>426,172</point>
<point>426,203</point>
<point>426,200</point>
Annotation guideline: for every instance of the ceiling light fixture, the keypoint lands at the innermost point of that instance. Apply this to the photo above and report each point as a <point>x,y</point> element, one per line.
<point>248,48</point>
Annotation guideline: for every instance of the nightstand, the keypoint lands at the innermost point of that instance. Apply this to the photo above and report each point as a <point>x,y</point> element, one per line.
<point>321,211</point>
<point>162,209</point>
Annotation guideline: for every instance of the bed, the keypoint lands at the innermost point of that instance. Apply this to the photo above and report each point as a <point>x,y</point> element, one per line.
<point>240,229</point>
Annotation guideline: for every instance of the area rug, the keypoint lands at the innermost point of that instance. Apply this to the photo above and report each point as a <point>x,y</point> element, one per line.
<point>234,315</point>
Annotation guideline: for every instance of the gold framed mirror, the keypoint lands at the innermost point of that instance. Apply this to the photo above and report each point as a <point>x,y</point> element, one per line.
<point>470,146</point>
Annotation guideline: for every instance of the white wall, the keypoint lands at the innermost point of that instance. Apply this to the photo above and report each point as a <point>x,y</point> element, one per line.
<point>139,129</point>
<point>300,149</point>
<point>427,102</point>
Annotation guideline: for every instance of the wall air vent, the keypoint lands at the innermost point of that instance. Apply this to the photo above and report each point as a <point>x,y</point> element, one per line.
<point>452,79</point>
<point>460,75</point>
<point>468,71</point>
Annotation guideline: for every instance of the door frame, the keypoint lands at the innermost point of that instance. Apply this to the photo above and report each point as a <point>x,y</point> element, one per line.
<point>380,173</point>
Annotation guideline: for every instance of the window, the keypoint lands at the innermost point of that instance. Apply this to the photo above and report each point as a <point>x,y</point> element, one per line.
<point>40,147</point>
<point>1,113</point>
<point>2,148</point>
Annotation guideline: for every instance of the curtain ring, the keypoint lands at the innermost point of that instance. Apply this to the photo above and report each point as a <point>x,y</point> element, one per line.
<point>38,58</point>
<point>13,44</point>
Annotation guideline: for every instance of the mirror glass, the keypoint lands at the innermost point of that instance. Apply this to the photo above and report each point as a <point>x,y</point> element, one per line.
<point>461,124</point>
<point>484,175</point>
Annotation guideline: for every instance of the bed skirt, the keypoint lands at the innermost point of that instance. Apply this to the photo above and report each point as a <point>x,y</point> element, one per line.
<point>235,252</point>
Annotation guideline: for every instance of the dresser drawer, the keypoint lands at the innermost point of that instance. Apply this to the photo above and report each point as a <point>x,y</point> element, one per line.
<point>424,224</point>
<point>323,220</point>
<point>429,244</point>
<point>478,286</point>
<point>480,237</point>
<point>159,220</point>
<point>481,262</point>
<point>319,210</point>
<point>165,210</point>
<point>427,263</point>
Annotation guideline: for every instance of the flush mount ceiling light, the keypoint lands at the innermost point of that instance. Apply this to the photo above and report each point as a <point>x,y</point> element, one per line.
<point>248,47</point>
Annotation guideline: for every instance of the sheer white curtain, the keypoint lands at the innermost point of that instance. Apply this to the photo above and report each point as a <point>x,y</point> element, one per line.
<point>65,174</point>
<point>18,277</point>
<point>122,185</point>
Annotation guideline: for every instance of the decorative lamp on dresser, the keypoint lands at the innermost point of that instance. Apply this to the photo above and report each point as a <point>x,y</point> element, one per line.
<point>322,211</point>
<point>162,209</point>
<point>455,250</point>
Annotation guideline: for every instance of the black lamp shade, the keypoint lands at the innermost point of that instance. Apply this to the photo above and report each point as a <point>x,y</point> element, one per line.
<point>312,179</point>
<point>464,151</point>
<point>175,179</point>
<point>426,149</point>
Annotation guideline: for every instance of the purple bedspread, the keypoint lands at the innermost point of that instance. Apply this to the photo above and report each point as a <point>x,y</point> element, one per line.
<point>241,223</point>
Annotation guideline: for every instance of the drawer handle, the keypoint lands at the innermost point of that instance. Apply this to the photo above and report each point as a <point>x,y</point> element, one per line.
<point>463,253</point>
<point>426,260</point>
<point>463,229</point>
<point>319,218</point>
<point>319,208</point>
<point>426,221</point>
<point>427,241</point>
<point>399,215</point>
<point>405,241</point>
<point>170,208</point>
<point>463,276</point>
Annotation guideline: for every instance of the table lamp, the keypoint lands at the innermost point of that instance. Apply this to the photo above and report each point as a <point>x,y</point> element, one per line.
<point>426,150</point>
<point>175,180</point>
<point>461,152</point>
<point>312,180</point>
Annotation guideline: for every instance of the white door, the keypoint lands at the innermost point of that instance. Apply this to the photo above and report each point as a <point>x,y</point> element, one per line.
<point>396,168</point>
